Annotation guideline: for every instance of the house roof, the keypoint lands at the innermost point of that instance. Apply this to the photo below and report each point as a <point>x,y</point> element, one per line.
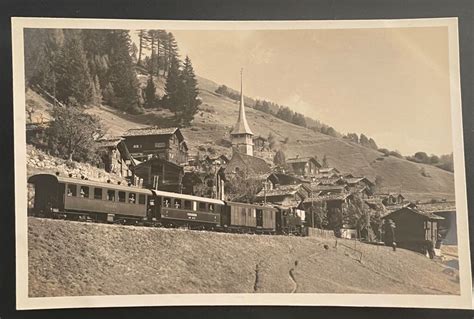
<point>415,210</point>
<point>327,198</point>
<point>318,187</point>
<point>285,179</point>
<point>328,170</point>
<point>260,138</point>
<point>327,181</point>
<point>109,142</point>
<point>153,130</point>
<point>438,207</point>
<point>302,160</point>
<point>285,190</point>
<point>355,180</point>
<point>255,165</point>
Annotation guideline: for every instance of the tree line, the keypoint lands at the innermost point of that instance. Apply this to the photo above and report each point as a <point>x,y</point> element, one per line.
<point>99,66</point>
<point>282,112</point>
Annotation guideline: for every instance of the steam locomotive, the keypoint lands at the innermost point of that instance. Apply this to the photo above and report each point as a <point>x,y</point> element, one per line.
<point>77,199</point>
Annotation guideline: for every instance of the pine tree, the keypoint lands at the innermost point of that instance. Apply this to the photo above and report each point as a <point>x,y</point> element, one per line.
<point>96,91</point>
<point>122,74</point>
<point>150,93</point>
<point>173,88</point>
<point>142,44</point>
<point>73,77</point>
<point>191,92</point>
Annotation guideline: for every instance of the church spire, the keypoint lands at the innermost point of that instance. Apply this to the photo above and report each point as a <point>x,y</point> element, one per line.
<point>242,127</point>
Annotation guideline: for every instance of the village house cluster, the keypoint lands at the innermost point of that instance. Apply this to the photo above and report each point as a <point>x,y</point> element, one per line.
<point>158,158</point>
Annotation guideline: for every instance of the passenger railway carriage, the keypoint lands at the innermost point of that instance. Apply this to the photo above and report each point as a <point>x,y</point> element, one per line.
<point>240,217</point>
<point>80,199</point>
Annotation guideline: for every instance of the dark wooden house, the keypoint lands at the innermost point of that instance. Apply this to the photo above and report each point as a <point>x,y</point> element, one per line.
<point>161,174</point>
<point>390,199</point>
<point>288,196</point>
<point>260,143</point>
<point>303,166</point>
<point>165,143</point>
<point>414,227</point>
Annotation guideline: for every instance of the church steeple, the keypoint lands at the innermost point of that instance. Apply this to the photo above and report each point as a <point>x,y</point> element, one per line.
<point>242,134</point>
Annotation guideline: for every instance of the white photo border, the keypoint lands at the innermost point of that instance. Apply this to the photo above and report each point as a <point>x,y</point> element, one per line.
<point>23,301</point>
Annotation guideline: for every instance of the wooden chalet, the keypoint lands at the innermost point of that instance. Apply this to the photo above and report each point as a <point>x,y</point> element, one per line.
<point>391,199</point>
<point>448,225</point>
<point>303,166</point>
<point>158,173</point>
<point>274,180</point>
<point>165,143</point>
<point>288,196</point>
<point>414,226</point>
<point>260,143</point>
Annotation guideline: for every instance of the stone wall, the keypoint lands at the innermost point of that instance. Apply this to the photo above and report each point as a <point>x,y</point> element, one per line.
<point>41,162</point>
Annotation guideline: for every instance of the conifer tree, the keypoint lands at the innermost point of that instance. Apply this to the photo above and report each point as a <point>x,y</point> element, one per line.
<point>191,92</point>
<point>122,75</point>
<point>73,77</point>
<point>173,88</point>
<point>150,93</point>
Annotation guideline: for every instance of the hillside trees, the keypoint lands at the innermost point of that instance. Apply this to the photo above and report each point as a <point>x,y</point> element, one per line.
<point>72,71</point>
<point>190,92</point>
<point>73,133</point>
<point>122,75</point>
<point>83,64</point>
<point>150,93</point>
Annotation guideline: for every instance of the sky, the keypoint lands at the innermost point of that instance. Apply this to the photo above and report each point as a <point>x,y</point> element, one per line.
<point>391,84</point>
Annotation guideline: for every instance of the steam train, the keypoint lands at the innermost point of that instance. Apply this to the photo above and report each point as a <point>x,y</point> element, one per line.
<point>71,198</point>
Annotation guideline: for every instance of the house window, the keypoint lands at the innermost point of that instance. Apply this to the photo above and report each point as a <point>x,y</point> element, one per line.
<point>160,144</point>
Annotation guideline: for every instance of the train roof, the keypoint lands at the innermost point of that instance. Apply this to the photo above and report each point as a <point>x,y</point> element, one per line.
<point>188,197</point>
<point>65,179</point>
<point>250,205</point>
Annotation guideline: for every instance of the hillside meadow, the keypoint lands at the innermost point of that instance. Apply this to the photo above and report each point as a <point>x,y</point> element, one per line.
<point>71,258</point>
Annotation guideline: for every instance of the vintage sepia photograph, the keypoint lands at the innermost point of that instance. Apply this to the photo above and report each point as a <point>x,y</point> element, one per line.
<point>205,163</point>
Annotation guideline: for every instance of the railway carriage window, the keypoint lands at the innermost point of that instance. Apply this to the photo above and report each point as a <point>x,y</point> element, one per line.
<point>141,199</point>
<point>202,206</point>
<point>121,197</point>
<point>188,204</point>
<point>111,195</point>
<point>132,198</point>
<point>71,190</point>
<point>177,203</point>
<point>211,207</point>
<point>166,202</point>
<point>97,193</point>
<point>84,192</point>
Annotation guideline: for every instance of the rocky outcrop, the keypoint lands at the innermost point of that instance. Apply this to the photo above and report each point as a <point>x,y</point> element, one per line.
<point>39,161</point>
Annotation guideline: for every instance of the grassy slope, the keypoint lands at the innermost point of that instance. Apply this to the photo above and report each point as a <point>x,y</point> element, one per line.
<point>218,114</point>
<point>70,258</point>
